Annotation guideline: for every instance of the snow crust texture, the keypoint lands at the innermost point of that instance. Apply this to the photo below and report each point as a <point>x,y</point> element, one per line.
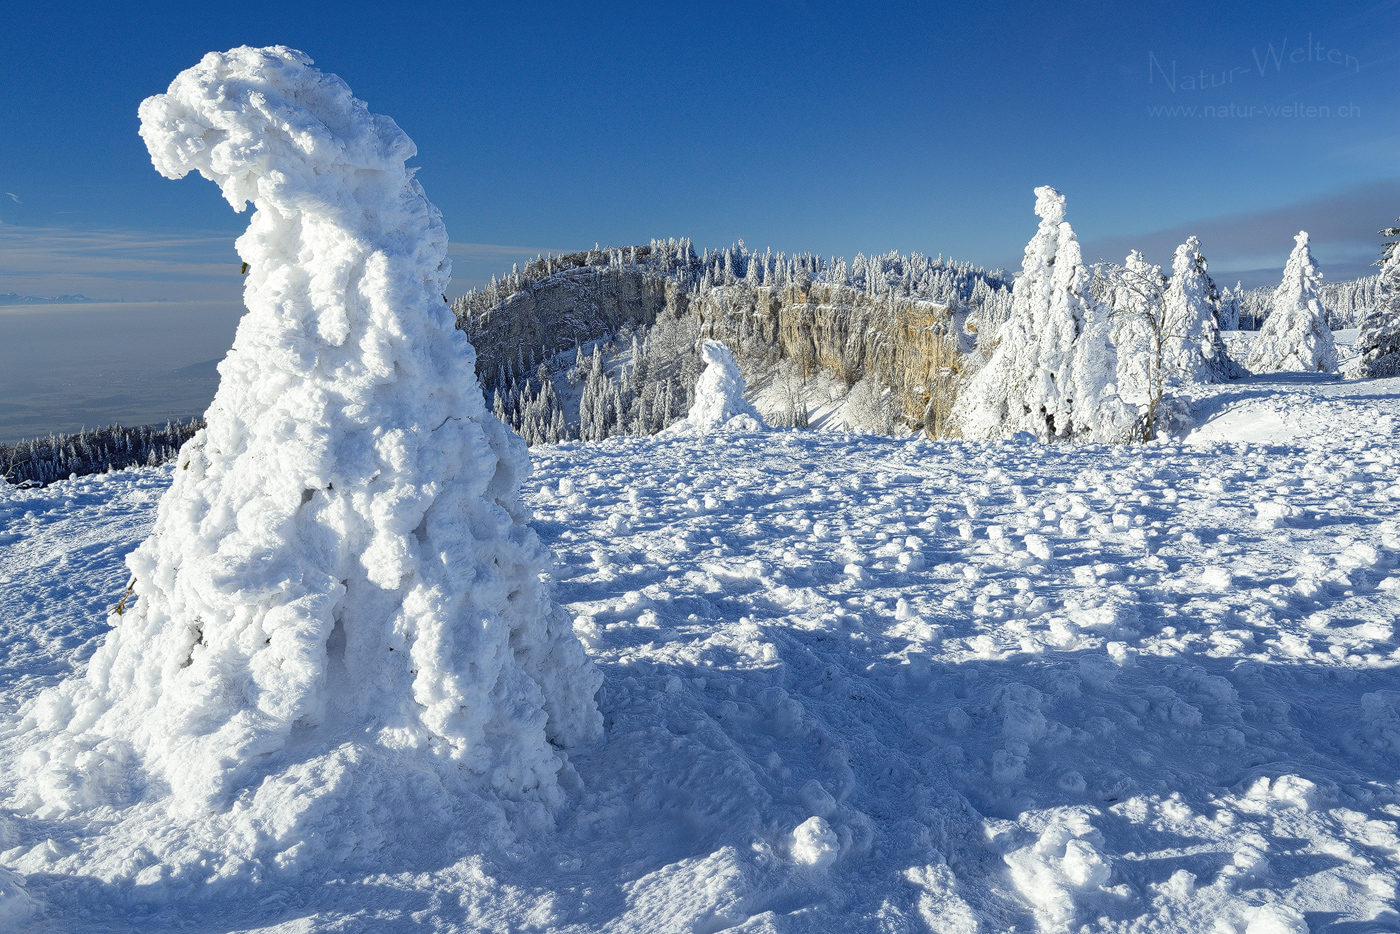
<point>338,619</point>
<point>719,396</point>
<point>860,684</point>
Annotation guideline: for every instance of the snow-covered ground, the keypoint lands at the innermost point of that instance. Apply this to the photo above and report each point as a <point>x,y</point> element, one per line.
<point>863,684</point>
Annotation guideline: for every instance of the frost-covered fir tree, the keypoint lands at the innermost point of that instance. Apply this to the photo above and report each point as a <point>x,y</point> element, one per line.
<point>1379,340</point>
<point>1052,371</point>
<point>1230,309</point>
<point>1136,293</point>
<point>341,599</point>
<point>1193,352</point>
<point>1295,336</point>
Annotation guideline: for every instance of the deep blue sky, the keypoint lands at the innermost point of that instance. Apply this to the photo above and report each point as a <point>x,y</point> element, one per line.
<point>833,128</point>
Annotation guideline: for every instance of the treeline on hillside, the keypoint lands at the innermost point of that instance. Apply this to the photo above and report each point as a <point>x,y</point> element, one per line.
<point>41,461</point>
<point>557,303</point>
<point>602,342</point>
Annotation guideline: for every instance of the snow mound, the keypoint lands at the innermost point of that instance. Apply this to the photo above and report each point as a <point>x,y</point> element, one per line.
<point>338,623</point>
<point>815,844</point>
<point>15,904</point>
<point>719,397</point>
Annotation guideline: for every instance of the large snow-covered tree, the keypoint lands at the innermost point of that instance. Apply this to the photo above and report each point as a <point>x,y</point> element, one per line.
<point>1295,336</point>
<point>1379,340</point>
<point>342,586</point>
<point>1193,351</point>
<point>1052,371</point>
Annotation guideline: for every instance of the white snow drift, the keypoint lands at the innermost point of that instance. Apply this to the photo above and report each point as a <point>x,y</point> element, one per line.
<point>341,595</point>
<point>858,683</point>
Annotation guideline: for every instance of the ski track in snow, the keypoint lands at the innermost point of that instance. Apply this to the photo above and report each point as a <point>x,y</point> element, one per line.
<point>856,683</point>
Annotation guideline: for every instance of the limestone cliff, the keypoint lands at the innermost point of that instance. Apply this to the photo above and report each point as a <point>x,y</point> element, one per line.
<point>891,325</point>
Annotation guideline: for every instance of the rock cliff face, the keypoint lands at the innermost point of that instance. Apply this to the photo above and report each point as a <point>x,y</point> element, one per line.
<point>801,319</point>
<point>566,309</point>
<point>907,346</point>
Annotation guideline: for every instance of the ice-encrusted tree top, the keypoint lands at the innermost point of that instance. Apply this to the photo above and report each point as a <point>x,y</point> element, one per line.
<point>343,565</point>
<point>1295,336</point>
<point>719,396</point>
<point>1052,373</point>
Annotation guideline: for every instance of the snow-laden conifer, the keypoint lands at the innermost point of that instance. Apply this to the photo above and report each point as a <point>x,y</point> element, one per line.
<point>1379,340</point>
<point>1192,352</point>
<point>1036,380</point>
<point>341,597</point>
<point>1295,336</point>
<point>1230,308</point>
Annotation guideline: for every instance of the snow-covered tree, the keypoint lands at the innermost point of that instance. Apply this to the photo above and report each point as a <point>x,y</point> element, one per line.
<point>719,396</point>
<point>1379,340</point>
<point>1230,309</point>
<point>1051,373</point>
<point>1136,293</point>
<point>1194,352</point>
<point>342,593</point>
<point>1295,336</point>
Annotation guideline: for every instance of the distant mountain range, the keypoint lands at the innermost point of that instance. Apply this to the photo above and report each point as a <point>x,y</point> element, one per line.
<point>14,298</point>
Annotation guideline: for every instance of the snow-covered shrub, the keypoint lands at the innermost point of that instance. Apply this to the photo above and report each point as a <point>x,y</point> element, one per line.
<point>1052,372</point>
<point>342,587</point>
<point>1295,336</point>
<point>719,397</point>
<point>1136,294</point>
<point>868,407</point>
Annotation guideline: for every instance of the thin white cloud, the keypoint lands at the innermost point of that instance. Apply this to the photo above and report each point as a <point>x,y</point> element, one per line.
<point>137,265</point>
<point>14,197</point>
<point>118,264</point>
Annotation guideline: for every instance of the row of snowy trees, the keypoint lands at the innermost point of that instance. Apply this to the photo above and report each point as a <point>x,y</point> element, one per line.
<point>934,279</point>
<point>41,461</point>
<point>1096,353</point>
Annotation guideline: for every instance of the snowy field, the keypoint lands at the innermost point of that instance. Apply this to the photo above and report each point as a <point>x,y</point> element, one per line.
<point>863,684</point>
